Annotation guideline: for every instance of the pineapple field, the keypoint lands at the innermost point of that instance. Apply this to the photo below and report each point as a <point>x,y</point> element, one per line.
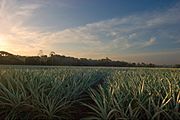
<point>89,93</point>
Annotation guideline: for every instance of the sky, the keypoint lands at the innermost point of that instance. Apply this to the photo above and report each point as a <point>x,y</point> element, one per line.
<point>126,30</point>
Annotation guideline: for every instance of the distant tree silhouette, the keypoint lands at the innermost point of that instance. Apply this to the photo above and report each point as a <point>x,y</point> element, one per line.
<point>3,53</point>
<point>52,53</point>
<point>8,58</point>
<point>177,66</point>
<point>35,60</point>
<point>40,53</point>
<point>61,60</point>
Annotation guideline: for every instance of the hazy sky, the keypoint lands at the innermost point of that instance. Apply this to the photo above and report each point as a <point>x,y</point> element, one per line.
<point>129,30</point>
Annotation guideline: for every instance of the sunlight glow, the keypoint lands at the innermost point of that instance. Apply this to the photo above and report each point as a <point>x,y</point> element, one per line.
<point>1,40</point>
<point>2,43</point>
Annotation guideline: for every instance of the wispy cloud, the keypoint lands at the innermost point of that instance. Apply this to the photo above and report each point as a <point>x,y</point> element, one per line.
<point>178,41</point>
<point>15,35</point>
<point>107,37</point>
<point>27,10</point>
<point>150,42</point>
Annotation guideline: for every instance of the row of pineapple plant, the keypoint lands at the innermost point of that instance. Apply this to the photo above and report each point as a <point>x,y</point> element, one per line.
<point>150,94</point>
<point>103,94</point>
<point>43,94</point>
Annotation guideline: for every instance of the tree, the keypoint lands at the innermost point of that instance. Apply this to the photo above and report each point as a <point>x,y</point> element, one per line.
<point>52,53</point>
<point>177,66</point>
<point>40,54</point>
<point>55,59</point>
<point>33,60</point>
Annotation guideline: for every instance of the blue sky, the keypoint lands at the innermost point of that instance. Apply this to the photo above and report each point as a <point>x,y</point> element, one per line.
<point>73,13</point>
<point>129,30</point>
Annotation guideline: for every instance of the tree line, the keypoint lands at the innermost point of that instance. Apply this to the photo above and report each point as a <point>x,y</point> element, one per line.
<point>61,60</point>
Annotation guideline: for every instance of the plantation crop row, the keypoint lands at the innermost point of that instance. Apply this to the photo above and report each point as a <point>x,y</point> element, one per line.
<point>69,93</point>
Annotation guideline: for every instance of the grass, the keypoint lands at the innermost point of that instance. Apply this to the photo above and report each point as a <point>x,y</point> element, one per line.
<point>89,93</point>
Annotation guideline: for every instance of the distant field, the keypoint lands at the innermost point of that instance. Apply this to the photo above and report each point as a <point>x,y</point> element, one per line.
<point>100,93</point>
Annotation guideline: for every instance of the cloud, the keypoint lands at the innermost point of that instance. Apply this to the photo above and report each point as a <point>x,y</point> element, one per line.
<point>14,34</point>
<point>132,31</point>
<point>27,10</point>
<point>177,41</point>
<point>170,16</point>
<point>150,42</point>
<point>132,35</point>
<point>116,36</point>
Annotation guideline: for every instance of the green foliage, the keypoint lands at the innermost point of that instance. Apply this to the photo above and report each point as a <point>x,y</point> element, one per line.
<point>104,93</point>
<point>138,94</point>
<point>42,94</point>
